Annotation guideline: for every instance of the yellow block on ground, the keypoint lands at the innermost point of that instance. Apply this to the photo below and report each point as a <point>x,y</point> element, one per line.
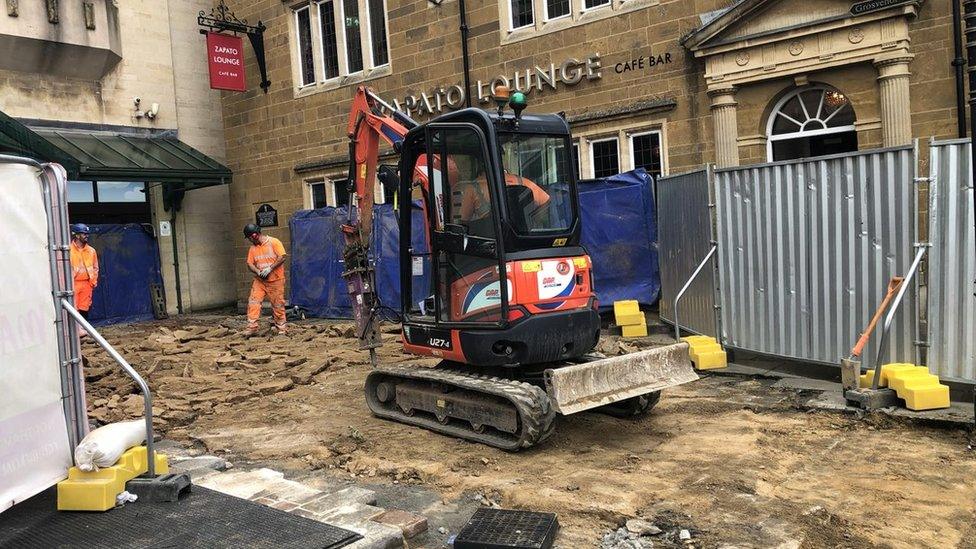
<point>867,379</point>
<point>631,319</point>
<point>96,490</point>
<point>630,307</point>
<point>927,398</point>
<point>706,352</point>
<point>897,380</point>
<point>639,330</point>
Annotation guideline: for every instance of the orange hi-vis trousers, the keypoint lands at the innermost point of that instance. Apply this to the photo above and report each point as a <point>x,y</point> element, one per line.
<point>275,292</point>
<point>83,295</point>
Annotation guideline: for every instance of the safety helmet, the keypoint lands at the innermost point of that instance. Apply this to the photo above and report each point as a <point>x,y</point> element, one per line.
<point>80,228</point>
<point>250,229</point>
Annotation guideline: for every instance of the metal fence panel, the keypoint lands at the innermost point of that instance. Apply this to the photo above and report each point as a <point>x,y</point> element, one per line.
<point>684,237</point>
<point>806,249</point>
<point>952,263</point>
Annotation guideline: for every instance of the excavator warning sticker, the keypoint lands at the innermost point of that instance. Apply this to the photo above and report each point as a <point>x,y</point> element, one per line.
<point>556,279</point>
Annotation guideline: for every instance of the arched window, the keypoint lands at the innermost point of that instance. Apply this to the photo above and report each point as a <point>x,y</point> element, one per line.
<point>809,122</point>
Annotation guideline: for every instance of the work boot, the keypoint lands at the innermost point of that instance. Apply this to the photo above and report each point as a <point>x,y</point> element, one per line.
<point>250,331</point>
<point>281,329</point>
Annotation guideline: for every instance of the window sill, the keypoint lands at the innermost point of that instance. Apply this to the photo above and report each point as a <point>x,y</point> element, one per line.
<point>344,81</point>
<point>576,19</point>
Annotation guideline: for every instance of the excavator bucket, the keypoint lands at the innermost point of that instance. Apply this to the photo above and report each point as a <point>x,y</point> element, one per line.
<point>604,381</point>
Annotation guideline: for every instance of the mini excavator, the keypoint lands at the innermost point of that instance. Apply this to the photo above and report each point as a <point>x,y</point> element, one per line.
<point>496,283</point>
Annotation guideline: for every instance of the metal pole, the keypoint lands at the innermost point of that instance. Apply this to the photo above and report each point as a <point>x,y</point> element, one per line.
<point>694,275</point>
<point>883,346</point>
<point>464,53</point>
<point>147,396</point>
<point>958,62</point>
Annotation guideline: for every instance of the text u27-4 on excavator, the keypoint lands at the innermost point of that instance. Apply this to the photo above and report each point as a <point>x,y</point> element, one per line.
<point>496,285</point>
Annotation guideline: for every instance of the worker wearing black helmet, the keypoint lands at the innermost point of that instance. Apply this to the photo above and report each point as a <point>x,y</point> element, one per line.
<point>265,259</point>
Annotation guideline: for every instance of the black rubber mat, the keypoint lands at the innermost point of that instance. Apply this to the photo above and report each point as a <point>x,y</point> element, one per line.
<point>203,518</point>
<point>505,528</point>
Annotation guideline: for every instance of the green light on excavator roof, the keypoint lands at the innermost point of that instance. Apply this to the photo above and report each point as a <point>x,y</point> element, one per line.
<point>518,103</point>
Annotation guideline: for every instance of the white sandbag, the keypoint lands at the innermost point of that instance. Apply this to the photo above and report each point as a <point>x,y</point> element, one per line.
<point>104,446</point>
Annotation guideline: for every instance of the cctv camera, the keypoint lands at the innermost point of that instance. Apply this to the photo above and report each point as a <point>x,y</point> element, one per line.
<point>136,100</point>
<point>153,111</point>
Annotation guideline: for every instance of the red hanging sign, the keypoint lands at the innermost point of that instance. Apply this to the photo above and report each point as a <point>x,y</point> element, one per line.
<point>225,55</point>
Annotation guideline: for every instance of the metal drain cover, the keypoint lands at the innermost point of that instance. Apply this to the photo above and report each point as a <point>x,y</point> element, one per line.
<point>507,529</point>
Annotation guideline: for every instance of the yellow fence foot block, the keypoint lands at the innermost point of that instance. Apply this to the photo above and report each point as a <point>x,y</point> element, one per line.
<point>927,398</point>
<point>623,308</point>
<point>634,331</point>
<point>706,353</point>
<point>631,319</point>
<point>96,490</point>
<point>886,371</point>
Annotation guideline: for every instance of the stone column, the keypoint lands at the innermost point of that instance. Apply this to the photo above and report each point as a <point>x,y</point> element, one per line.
<point>896,115</point>
<point>725,121</point>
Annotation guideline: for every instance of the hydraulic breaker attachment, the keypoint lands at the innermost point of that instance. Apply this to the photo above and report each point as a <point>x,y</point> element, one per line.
<point>603,381</point>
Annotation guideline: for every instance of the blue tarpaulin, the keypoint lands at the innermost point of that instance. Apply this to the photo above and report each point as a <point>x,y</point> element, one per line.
<point>128,262</point>
<point>316,259</point>
<point>619,232</point>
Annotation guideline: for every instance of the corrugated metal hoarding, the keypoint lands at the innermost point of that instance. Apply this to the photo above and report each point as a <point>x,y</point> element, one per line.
<point>806,249</point>
<point>684,236</point>
<point>952,263</point>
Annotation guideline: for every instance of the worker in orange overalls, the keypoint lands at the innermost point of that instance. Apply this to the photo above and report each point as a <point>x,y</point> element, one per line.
<point>265,259</point>
<point>84,267</point>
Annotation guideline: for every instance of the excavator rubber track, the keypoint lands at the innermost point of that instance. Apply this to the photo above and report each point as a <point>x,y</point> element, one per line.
<point>506,414</point>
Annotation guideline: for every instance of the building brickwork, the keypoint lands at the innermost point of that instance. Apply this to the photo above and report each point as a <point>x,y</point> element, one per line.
<point>648,79</point>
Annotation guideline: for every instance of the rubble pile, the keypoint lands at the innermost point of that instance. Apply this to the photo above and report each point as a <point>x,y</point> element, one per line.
<point>195,370</point>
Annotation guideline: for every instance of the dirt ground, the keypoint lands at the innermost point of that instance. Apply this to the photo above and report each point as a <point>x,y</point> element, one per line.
<point>733,460</point>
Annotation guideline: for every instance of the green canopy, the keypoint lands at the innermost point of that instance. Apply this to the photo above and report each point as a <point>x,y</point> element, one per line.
<point>112,156</point>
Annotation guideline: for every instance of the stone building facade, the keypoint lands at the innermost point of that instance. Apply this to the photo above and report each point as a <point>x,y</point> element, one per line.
<point>668,85</point>
<point>76,68</point>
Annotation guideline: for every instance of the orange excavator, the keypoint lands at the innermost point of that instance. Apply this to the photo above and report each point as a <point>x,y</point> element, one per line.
<point>496,285</point>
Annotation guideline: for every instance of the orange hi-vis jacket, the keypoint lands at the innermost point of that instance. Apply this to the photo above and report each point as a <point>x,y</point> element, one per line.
<point>84,263</point>
<point>265,254</point>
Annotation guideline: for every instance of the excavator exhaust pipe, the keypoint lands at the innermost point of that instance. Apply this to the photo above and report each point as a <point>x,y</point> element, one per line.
<point>604,381</point>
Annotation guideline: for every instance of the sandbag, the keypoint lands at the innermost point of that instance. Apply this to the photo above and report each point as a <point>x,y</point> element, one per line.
<point>104,446</point>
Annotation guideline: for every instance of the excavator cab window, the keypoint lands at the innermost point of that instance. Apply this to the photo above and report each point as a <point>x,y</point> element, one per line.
<point>538,182</point>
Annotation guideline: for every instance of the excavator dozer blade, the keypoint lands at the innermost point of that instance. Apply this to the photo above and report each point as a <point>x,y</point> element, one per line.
<point>604,381</point>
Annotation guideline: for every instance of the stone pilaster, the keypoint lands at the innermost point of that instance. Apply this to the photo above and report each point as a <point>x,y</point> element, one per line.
<point>896,119</point>
<point>725,121</point>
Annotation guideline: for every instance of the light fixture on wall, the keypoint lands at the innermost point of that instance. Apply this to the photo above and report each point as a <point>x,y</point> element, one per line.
<point>436,2</point>
<point>138,113</point>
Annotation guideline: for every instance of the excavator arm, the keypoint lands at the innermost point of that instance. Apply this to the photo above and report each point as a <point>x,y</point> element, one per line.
<point>369,124</point>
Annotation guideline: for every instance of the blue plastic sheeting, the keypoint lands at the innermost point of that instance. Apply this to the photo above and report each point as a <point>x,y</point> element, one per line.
<point>128,262</point>
<point>316,260</point>
<point>619,232</point>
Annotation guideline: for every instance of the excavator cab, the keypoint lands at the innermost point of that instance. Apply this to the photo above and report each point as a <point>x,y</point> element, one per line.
<point>495,274</point>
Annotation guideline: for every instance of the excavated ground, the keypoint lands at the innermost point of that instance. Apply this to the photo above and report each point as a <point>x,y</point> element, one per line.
<point>730,459</point>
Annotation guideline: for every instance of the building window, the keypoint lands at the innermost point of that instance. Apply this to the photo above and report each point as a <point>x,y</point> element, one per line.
<point>306,63</point>
<point>604,157</point>
<point>81,191</point>
<point>528,18</point>
<point>316,195</point>
<point>340,192</point>
<point>377,28</point>
<point>645,152</point>
<point>349,39</point>
<point>330,42</point>
<point>121,191</point>
<point>810,122</point>
<point>556,9</point>
<point>521,13</point>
